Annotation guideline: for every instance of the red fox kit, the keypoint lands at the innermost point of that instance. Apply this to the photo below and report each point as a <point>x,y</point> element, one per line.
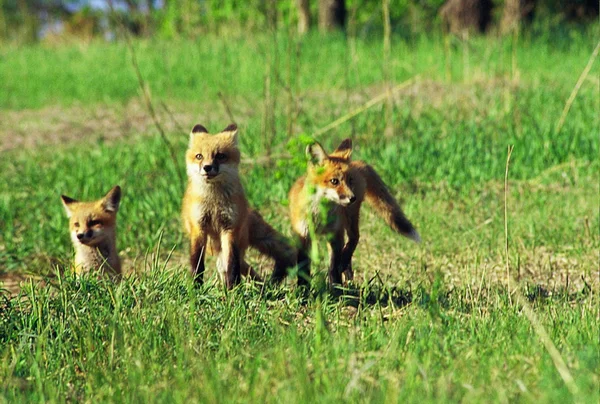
<point>93,231</point>
<point>327,201</point>
<point>216,215</point>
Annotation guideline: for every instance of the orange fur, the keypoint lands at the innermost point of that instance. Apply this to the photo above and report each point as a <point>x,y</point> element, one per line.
<point>216,214</point>
<point>327,201</point>
<point>92,226</point>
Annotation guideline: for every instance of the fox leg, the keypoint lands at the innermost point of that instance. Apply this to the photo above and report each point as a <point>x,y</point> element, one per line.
<point>353,234</point>
<point>304,261</point>
<point>231,259</point>
<point>335,246</point>
<point>247,270</point>
<point>197,253</point>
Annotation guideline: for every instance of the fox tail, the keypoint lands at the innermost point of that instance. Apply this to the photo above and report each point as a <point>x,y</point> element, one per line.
<point>379,197</point>
<point>273,244</point>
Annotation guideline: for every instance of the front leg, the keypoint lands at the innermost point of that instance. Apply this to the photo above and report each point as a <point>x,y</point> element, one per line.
<point>197,253</point>
<point>335,246</point>
<point>353,237</point>
<point>231,259</point>
<point>304,260</point>
<point>248,271</point>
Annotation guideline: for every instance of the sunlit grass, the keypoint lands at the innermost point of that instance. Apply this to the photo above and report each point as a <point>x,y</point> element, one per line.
<point>424,323</point>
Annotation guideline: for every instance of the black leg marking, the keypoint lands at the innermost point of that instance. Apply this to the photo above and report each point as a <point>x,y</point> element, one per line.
<point>233,275</point>
<point>335,261</point>
<point>303,261</point>
<point>197,263</point>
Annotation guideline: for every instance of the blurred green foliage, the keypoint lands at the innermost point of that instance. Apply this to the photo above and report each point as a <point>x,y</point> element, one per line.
<point>32,20</point>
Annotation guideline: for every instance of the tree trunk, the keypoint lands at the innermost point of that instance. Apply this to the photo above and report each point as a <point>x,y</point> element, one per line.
<point>461,16</point>
<point>303,16</point>
<point>332,15</point>
<point>516,11</point>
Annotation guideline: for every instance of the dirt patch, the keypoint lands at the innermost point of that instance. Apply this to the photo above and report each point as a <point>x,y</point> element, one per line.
<point>58,125</point>
<point>11,283</point>
<point>61,125</point>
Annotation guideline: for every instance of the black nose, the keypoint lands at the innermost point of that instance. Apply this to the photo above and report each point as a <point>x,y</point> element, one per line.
<point>207,168</point>
<point>352,199</point>
<point>79,236</point>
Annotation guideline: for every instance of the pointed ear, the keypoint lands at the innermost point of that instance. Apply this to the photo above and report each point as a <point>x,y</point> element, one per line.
<point>195,130</point>
<point>316,153</point>
<point>232,130</point>
<point>111,200</point>
<point>199,129</point>
<point>66,202</point>
<point>344,150</point>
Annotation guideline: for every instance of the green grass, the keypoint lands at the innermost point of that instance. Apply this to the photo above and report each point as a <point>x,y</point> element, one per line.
<point>158,339</point>
<point>433,322</point>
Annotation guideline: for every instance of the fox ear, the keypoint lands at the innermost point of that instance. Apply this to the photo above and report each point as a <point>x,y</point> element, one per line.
<point>344,150</point>
<point>195,130</point>
<point>66,202</point>
<point>232,130</point>
<point>316,153</point>
<point>199,129</point>
<point>111,200</point>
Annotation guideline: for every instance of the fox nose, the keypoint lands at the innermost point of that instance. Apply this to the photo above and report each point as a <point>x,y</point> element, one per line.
<point>208,168</point>
<point>87,234</point>
<point>352,199</point>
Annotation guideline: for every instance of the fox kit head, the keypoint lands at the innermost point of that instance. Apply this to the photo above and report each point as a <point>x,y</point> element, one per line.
<point>91,223</point>
<point>212,158</point>
<point>331,174</point>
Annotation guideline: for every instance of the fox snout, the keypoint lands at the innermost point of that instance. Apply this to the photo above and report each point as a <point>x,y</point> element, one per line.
<point>210,170</point>
<point>88,237</point>
<point>85,235</point>
<point>347,199</point>
<point>345,194</point>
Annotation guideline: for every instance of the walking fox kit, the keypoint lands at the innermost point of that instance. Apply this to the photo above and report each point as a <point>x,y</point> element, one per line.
<point>327,201</point>
<point>92,226</point>
<point>216,214</point>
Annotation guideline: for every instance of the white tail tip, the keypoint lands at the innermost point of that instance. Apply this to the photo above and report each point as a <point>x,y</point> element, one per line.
<point>414,235</point>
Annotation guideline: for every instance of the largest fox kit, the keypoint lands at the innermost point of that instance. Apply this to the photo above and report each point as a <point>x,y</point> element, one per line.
<point>327,201</point>
<point>216,214</point>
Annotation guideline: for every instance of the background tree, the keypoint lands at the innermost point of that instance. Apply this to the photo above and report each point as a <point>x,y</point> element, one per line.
<point>460,16</point>
<point>332,15</point>
<point>303,7</point>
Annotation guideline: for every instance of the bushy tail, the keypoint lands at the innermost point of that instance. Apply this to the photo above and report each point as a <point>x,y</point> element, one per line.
<point>379,197</point>
<point>273,244</point>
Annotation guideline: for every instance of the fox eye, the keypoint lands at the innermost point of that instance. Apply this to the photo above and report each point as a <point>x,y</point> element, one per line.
<point>221,156</point>
<point>198,156</point>
<point>93,223</point>
<point>76,224</point>
<point>334,181</point>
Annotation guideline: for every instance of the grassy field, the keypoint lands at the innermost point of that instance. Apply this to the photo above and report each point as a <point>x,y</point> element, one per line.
<point>430,322</point>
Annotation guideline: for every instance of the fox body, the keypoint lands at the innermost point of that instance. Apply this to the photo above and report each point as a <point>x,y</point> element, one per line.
<point>92,226</point>
<point>327,200</point>
<point>216,214</point>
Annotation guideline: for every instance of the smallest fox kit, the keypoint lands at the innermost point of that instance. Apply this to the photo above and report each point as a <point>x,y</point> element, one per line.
<point>326,201</point>
<point>92,226</point>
